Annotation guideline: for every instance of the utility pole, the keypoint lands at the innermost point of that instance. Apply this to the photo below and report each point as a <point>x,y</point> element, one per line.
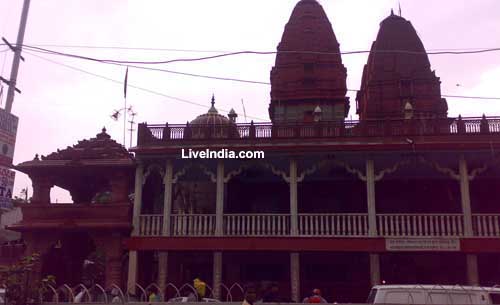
<point>17,57</point>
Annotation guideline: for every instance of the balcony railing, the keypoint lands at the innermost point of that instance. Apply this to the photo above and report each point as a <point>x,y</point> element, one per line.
<point>154,134</point>
<point>333,224</point>
<point>347,224</point>
<point>486,225</point>
<point>420,225</point>
<point>256,224</point>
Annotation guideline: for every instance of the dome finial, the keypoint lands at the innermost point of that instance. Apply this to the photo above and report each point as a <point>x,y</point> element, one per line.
<point>392,12</point>
<point>212,109</point>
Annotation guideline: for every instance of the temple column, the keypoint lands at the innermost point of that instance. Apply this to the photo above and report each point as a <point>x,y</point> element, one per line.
<point>41,190</point>
<point>217,274</point>
<point>372,220</point>
<point>472,268</point>
<point>295,276</point>
<point>219,227</point>
<point>119,188</point>
<point>132,257</point>
<point>293,198</point>
<point>167,211</point>
<point>219,204</point>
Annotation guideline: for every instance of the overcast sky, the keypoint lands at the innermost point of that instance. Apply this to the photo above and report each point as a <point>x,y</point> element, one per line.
<point>60,105</point>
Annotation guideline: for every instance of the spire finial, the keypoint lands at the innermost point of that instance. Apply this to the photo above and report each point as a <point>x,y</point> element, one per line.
<point>392,12</point>
<point>212,109</point>
<point>399,4</point>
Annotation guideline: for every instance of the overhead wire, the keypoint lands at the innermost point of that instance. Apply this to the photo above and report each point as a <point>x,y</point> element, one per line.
<point>129,84</point>
<point>249,52</point>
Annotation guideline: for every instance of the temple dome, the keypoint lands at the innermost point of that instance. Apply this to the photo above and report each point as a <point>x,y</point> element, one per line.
<point>212,125</point>
<point>212,117</point>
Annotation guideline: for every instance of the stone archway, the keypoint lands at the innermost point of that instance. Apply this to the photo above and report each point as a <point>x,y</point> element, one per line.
<point>65,258</point>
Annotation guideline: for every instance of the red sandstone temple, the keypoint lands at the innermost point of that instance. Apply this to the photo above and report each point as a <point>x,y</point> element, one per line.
<point>404,195</point>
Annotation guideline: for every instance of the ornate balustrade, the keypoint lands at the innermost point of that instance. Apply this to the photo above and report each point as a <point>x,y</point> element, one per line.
<point>486,225</point>
<point>256,224</point>
<point>346,224</point>
<point>353,224</point>
<point>193,225</point>
<point>420,225</point>
<point>154,134</point>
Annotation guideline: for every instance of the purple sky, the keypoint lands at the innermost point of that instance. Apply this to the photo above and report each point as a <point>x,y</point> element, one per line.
<point>59,105</point>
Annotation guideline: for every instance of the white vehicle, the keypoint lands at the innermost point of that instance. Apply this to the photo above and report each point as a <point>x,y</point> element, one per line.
<point>186,299</point>
<point>433,294</point>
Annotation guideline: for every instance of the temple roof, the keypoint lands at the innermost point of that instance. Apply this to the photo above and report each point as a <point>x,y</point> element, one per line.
<point>308,63</point>
<point>100,151</point>
<point>411,61</point>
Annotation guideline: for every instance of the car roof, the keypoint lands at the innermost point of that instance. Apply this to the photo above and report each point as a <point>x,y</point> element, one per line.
<point>439,287</point>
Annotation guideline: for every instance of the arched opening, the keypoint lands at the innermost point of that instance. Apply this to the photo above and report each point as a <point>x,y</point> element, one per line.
<point>153,193</point>
<point>73,259</point>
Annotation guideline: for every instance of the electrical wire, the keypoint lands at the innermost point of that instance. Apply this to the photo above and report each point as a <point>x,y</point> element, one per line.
<point>234,79</point>
<point>187,50</point>
<point>129,84</point>
<point>43,50</point>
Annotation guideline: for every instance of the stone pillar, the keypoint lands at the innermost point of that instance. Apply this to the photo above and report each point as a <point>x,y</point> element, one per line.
<point>465,195</point>
<point>372,220</point>
<point>370,198</point>
<point>167,212</point>
<point>374,269</point>
<point>132,257</point>
<point>119,188</point>
<point>167,198</point>
<point>293,198</point>
<point>472,268</point>
<point>132,271</point>
<point>162,271</point>
<point>295,276</point>
<point>219,205</point>
<point>41,190</point>
<point>217,274</point>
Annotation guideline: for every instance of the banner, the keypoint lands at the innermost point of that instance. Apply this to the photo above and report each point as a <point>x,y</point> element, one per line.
<point>422,244</point>
<point>6,186</point>
<point>8,131</point>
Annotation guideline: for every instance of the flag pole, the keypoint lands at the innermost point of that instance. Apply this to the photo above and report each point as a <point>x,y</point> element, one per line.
<point>125,107</point>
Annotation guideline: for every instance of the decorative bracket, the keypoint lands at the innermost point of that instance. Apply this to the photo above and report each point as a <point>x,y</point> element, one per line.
<point>206,171</point>
<point>153,168</point>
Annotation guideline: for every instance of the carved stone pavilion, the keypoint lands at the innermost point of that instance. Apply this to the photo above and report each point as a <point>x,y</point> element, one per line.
<point>404,195</point>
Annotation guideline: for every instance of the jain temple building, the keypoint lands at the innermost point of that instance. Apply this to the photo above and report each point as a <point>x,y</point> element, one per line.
<point>404,195</point>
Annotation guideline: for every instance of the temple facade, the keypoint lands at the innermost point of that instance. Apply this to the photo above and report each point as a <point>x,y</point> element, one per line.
<point>404,195</point>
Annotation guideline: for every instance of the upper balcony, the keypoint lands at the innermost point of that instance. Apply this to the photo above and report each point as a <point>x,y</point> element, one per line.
<point>346,131</point>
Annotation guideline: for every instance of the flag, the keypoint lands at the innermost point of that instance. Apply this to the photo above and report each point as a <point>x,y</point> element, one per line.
<point>125,84</point>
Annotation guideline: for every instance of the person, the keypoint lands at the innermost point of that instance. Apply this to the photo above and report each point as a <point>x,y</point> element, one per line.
<point>271,295</point>
<point>200,287</point>
<point>315,297</point>
<point>250,296</point>
<point>153,297</point>
<point>116,296</point>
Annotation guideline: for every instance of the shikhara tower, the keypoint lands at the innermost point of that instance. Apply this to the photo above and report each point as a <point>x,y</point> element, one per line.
<point>308,71</point>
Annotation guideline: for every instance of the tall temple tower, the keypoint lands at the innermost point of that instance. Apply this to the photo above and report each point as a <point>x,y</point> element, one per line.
<point>397,80</point>
<point>308,79</point>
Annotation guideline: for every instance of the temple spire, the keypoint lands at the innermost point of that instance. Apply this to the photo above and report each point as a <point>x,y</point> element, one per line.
<point>212,109</point>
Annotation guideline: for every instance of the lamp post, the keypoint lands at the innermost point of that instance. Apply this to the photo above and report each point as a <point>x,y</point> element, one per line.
<point>116,115</point>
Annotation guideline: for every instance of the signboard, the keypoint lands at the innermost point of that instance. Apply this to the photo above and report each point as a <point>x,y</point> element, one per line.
<point>8,131</point>
<point>6,186</point>
<point>422,244</point>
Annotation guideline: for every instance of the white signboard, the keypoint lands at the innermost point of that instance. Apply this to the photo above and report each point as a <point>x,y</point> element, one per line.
<point>6,186</point>
<point>422,244</point>
<point>8,131</point>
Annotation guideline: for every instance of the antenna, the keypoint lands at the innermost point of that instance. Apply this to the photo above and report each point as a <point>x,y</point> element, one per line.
<point>132,122</point>
<point>244,112</point>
